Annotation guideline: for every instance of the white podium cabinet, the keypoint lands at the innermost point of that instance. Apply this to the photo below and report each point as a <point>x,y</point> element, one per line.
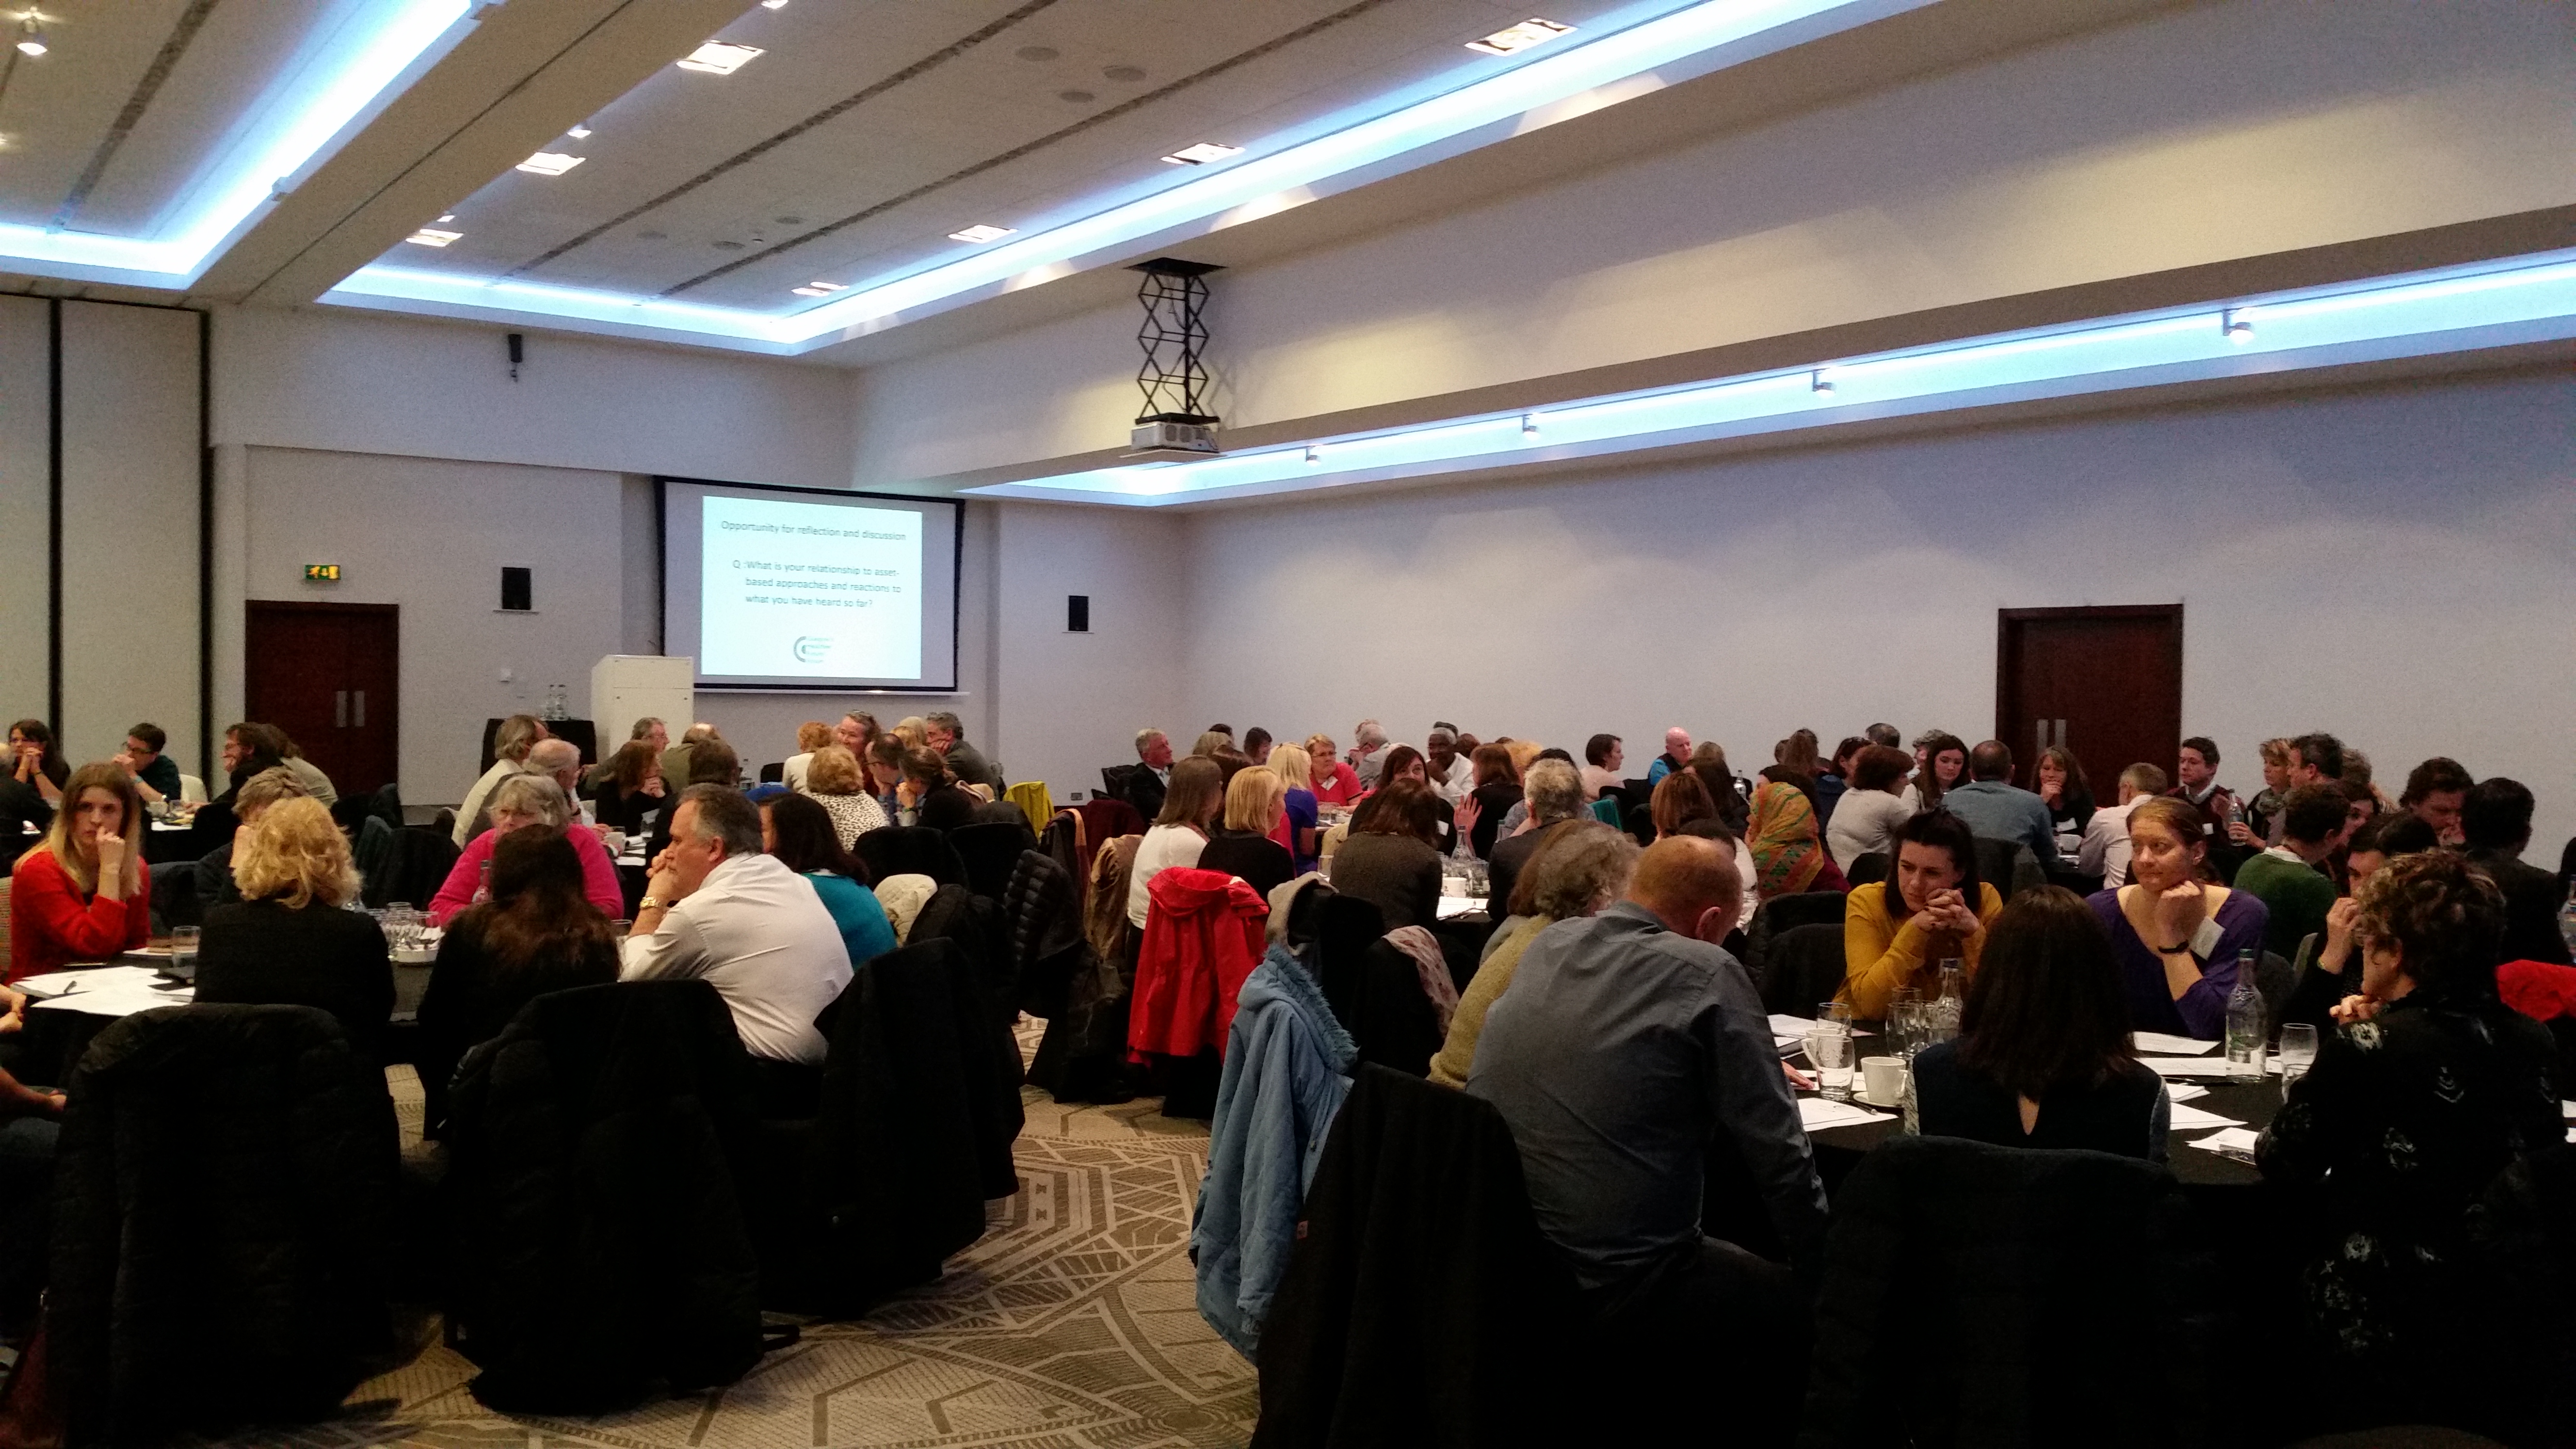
<point>627,687</point>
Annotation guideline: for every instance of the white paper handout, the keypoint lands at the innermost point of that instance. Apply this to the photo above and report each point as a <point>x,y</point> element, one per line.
<point>87,978</point>
<point>122,1000</point>
<point>1452,907</point>
<point>2239,1139</point>
<point>2187,1118</point>
<point>2171,1046</point>
<point>2189,1066</point>
<point>1817,1114</point>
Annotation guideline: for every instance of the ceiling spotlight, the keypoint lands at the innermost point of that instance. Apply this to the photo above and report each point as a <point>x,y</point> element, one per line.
<point>430,236</point>
<point>551,163</point>
<point>982,233</point>
<point>1520,37</point>
<point>2233,326</point>
<point>444,220</point>
<point>31,37</point>
<point>717,57</point>
<point>1202,153</point>
<point>819,289</point>
<point>579,133</point>
<point>1817,381</point>
<point>773,4</point>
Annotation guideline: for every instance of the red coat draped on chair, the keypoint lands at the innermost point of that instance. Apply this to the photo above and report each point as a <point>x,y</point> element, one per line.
<point>1203,936</point>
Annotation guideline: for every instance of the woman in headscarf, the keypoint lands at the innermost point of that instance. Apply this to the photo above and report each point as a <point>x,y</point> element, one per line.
<point>1787,858</point>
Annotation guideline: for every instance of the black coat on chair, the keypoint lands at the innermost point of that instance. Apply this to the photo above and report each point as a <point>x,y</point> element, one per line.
<point>909,850</point>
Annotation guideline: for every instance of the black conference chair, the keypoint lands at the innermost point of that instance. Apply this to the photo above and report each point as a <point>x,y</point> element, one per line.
<point>1867,868</point>
<point>990,852</point>
<point>775,772</point>
<point>1803,967</point>
<point>909,850</point>
<point>1780,915</point>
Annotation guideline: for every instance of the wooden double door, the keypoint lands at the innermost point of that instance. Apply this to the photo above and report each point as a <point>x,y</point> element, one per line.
<point>330,676</point>
<point>2105,682</point>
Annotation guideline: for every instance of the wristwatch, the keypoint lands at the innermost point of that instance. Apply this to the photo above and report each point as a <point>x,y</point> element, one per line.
<point>652,903</point>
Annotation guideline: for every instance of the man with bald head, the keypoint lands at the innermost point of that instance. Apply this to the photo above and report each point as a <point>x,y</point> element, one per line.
<point>1629,1041</point>
<point>1677,748</point>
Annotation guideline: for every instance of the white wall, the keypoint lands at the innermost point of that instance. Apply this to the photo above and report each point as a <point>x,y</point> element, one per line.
<point>432,536</point>
<point>2196,134</point>
<point>25,584</point>
<point>2390,564</point>
<point>1071,703</point>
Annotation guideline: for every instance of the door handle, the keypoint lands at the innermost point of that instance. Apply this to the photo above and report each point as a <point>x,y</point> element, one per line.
<point>340,710</point>
<point>362,709</point>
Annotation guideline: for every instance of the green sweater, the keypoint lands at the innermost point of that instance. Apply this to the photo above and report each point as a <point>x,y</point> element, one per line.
<point>2297,894</point>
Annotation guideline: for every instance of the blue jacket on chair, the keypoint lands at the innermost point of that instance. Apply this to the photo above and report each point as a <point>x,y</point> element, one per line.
<point>1287,1069</point>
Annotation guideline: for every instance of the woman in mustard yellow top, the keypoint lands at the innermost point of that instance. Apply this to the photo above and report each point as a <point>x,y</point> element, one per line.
<point>1897,933</point>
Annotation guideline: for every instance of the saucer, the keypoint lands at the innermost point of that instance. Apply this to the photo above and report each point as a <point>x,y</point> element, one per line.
<point>1861,1096</point>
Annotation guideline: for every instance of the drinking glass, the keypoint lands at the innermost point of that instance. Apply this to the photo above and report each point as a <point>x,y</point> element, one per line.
<point>183,952</point>
<point>2298,1051</point>
<point>1829,1049</point>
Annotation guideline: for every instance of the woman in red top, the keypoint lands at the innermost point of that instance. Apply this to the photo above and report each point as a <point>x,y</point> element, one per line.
<point>82,894</point>
<point>1335,783</point>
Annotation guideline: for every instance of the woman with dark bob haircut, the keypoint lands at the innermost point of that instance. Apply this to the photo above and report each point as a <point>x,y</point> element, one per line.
<point>2428,1088</point>
<point>2043,1057</point>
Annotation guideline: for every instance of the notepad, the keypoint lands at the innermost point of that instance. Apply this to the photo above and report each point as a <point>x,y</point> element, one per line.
<point>2234,1140</point>
<point>1452,907</point>
<point>2171,1046</point>
<point>1817,1114</point>
<point>2184,1091</point>
<point>87,978</point>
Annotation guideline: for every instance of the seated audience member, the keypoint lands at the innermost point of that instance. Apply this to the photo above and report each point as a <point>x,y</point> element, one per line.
<point>287,941</point>
<point>1580,866</point>
<point>2315,759</point>
<point>1298,817</point>
<point>2255,823</point>
<point>1602,760</point>
<point>560,761</point>
<point>884,764</point>
<point>2059,782</point>
<point>1333,782</point>
<point>929,795</point>
<point>914,731</point>
<point>855,732</point>
<point>2436,790</point>
<point>2105,850</point>
<point>1833,778</point>
<point>1367,756</point>
<point>943,733</point>
<point>1708,762</point>
<point>2196,780</point>
<point>2043,1057</point>
<point>1628,1042</point>
<point>1996,809</point>
<point>800,834</point>
<point>1451,773</point>
<point>1245,847</point>
<point>538,933</point>
<point>1496,791</point>
<point>2295,894</point>
<point>1678,800</point>
<point>1941,763</point>
<point>1794,762</point>
<point>1256,745</point>
<point>832,778</point>
<point>677,760</point>
<point>1191,806</point>
<point>630,789</point>
<point>2175,932</point>
<point>316,784</point>
<point>1391,859</point>
<point>81,893</point>
<point>1897,932</point>
<point>2323,981</point>
<point>709,761</point>
<point>1525,754</point>
<point>155,775</point>
<point>2382,840</point>
<point>36,761</point>
<point>1886,734</point>
<point>529,802</point>
<point>1787,857</point>
<point>1402,762</point>
<point>510,745</point>
<point>1871,811</point>
<point>2495,825</point>
<point>22,812</point>
<point>1676,755</point>
<point>1230,762</point>
<point>1210,742</point>
<point>812,735</point>
<point>2426,1091</point>
<point>1553,793</point>
<point>719,909</point>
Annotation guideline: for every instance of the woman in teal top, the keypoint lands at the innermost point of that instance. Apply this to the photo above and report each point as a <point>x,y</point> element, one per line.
<point>800,833</point>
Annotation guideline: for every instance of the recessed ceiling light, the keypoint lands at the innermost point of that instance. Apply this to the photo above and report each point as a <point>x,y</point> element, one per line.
<point>1202,153</point>
<point>981,233</point>
<point>551,163</point>
<point>579,133</point>
<point>773,4</point>
<point>717,57</point>
<point>430,236</point>
<point>1123,73</point>
<point>817,289</point>
<point>444,220</point>
<point>31,40</point>
<point>1077,97</point>
<point>1520,37</point>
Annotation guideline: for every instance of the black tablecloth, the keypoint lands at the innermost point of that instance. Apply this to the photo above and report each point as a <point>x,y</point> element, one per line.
<point>2251,1103</point>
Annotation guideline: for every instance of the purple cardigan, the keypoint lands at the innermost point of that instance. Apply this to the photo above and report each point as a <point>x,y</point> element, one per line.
<point>2202,1011</point>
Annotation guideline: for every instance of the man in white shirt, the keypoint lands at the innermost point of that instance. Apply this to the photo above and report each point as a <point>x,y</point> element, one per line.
<point>1450,773</point>
<point>720,909</point>
<point>2105,851</point>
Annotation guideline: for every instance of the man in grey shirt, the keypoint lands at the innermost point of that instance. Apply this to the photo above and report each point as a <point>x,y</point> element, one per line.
<point>1628,1042</point>
<point>1996,810</point>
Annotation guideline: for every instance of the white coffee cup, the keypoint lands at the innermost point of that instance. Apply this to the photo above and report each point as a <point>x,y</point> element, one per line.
<point>1882,1079</point>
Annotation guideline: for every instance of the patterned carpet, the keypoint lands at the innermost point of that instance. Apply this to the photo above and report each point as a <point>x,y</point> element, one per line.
<point>1070,1325</point>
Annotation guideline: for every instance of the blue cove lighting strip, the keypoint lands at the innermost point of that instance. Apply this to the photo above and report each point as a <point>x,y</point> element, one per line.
<point>2487,305</point>
<point>361,55</point>
<point>1397,133</point>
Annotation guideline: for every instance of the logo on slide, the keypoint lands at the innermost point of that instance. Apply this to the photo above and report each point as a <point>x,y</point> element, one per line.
<point>811,648</point>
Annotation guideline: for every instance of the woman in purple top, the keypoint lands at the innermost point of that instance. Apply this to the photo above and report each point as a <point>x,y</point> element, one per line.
<point>2176,933</point>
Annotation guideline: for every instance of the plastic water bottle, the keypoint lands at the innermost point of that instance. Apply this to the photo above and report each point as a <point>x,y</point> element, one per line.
<point>2245,1036</point>
<point>2567,920</point>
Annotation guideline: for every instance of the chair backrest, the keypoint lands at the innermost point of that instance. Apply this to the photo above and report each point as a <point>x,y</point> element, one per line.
<point>990,852</point>
<point>1803,966</point>
<point>1606,810</point>
<point>1345,928</point>
<point>774,772</point>
<point>1780,915</point>
<point>909,850</point>
<point>1938,1240</point>
<point>2274,978</point>
<point>192,789</point>
<point>1995,865</point>
<point>1867,868</point>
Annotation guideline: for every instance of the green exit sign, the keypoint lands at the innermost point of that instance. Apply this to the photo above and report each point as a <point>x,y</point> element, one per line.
<point>321,573</point>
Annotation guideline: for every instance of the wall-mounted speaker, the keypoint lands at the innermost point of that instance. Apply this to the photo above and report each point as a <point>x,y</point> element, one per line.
<point>1077,613</point>
<point>515,592</point>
